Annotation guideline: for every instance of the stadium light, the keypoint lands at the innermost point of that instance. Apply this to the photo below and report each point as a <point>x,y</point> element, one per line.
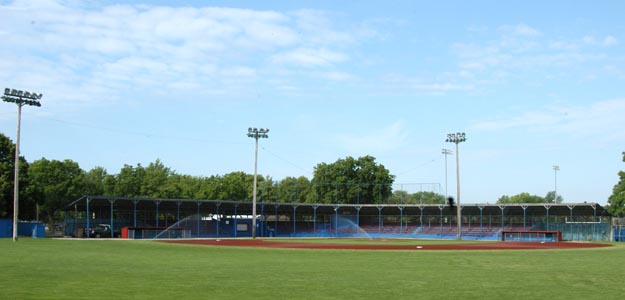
<point>20,98</point>
<point>256,133</point>
<point>556,168</point>
<point>446,152</point>
<point>457,138</point>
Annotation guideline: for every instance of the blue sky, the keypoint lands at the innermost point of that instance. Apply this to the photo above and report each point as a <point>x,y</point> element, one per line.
<point>532,84</point>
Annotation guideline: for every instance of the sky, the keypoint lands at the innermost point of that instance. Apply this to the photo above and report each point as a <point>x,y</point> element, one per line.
<point>533,84</point>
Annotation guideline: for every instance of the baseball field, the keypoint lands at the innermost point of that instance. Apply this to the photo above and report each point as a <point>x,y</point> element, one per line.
<point>118,269</point>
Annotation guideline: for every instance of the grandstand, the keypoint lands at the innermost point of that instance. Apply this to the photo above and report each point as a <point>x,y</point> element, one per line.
<point>178,218</point>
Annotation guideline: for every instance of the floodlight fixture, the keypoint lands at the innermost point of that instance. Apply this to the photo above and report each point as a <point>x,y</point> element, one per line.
<point>457,138</point>
<point>256,133</point>
<point>20,98</point>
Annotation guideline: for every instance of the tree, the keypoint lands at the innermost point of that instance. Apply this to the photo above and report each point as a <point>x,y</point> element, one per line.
<point>154,180</point>
<point>427,198</point>
<point>421,197</point>
<point>94,182</point>
<point>398,197</point>
<point>617,199</point>
<point>235,186</point>
<point>129,181</point>
<point>7,179</point>
<point>521,198</point>
<point>352,181</point>
<point>58,182</point>
<point>294,190</point>
<point>551,198</point>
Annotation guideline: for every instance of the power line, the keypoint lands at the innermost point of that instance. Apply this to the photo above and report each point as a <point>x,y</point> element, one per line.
<point>419,166</point>
<point>145,134</point>
<point>286,160</point>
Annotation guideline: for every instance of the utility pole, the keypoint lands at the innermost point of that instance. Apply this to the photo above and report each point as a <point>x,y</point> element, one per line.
<point>255,133</point>
<point>556,168</point>
<point>446,152</point>
<point>20,98</point>
<point>457,138</point>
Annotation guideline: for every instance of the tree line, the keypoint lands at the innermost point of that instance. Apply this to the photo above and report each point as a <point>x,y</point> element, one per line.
<point>48,186</point>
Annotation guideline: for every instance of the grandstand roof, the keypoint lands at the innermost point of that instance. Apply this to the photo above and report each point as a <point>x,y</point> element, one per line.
<point>245,207</point>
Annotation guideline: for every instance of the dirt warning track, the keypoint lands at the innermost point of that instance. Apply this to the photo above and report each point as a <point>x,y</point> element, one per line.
<point>309,245</point>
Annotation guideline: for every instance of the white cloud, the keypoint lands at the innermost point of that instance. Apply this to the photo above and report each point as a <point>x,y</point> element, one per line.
<point>610,41</point>
<point>520,30</point>
<point>606,41</point>
<point>400,82</point>
<point>335,76</point>
<point>196,49</point>
<point>597,122</point>
<point>308,57</point>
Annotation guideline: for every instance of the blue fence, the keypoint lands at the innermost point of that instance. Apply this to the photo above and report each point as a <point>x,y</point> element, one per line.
<point>619,233</point>
<point>29,229</point>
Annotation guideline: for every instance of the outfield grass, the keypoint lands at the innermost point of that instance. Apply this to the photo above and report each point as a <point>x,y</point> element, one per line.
<point>100,269</point>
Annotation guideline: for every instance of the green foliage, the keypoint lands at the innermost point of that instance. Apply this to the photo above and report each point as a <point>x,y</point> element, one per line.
<point>58,183</point>
<point>94,181</point>
<point>403,197</point>
<point>551,197</point>
<point>617,199</point>
<point>352,181</point>
<point>521,198</point>
<point>7,176</point>
<point>294,190</point>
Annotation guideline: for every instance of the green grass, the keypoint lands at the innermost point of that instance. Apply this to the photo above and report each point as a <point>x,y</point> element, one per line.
<point>72,269</point>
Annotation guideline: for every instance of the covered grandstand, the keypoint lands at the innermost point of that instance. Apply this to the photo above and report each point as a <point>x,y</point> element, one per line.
<point>183,218</point>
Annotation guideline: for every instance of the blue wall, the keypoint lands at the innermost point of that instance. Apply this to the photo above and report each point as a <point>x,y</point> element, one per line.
<point>30,229</point>
<point>6,228</point>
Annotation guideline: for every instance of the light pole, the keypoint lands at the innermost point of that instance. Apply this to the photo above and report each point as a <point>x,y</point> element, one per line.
<point>20,98</point>
<point>457,138</point>
<point>556,168</point>
<point>446,152</point>
<point>255,133</point>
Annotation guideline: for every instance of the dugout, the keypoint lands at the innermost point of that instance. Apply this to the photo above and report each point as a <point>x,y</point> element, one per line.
<point>223,218</point>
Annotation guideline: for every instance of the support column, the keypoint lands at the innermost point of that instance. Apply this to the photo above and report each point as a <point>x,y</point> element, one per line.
<point>88,217</point>
<point>217,218</point>
<point>571,220</point>
<point>178,203</point>
<point>158,202</point>
<point>440,220</point>
<point>481,219</point>
<point>294,220</point>
<point>594,220</point>
<point>358,215</point>
<point>547,207</point>
<point>134,213</point>
<point>112,228</point>
<point>276,220</point>
<point>502,207</point>
<point>401,219</point>
<point>315,218</point>
<point>421,207</point>
<point>236,218</point>
<point>198,203</point>
<point>524,215</point>
<point>336,219</point>
<point>380,219</point>
<point>263,222</point>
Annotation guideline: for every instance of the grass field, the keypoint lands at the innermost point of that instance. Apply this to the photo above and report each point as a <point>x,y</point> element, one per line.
<point>101,269</point>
